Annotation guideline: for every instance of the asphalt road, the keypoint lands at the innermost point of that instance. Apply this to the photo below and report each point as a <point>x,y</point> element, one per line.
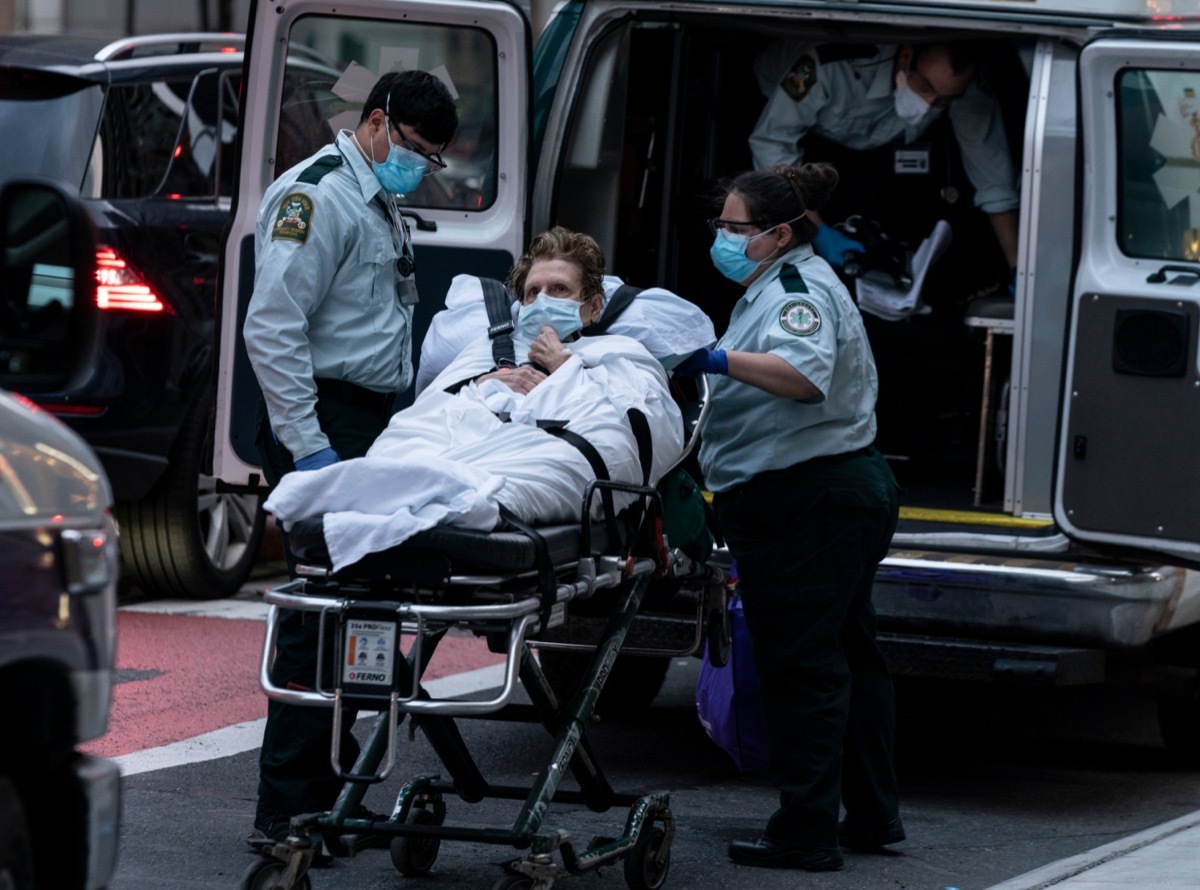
<point>995,783</point>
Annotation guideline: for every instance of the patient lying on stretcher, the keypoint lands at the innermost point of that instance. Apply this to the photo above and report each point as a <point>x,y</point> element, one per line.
<point>479,437</point>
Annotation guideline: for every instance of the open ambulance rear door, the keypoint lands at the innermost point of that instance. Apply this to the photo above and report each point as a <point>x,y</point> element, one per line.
<point>1129,447</point>
<point>308,68</point>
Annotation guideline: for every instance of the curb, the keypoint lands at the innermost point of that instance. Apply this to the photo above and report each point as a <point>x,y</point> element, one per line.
<point>1065,869</point>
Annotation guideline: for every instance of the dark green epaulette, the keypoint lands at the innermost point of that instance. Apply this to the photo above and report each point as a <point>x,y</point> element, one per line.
<point>792,280</point>
<point>316,171</point>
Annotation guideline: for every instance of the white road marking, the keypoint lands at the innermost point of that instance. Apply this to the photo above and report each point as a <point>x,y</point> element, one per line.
<point>247,736</point>
<point>253,610</point>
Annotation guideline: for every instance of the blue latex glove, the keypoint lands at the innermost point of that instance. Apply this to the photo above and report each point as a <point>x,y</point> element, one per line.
<point>831,245</point>
<point>704,361</point>
<point>326,457</point>
<point>1012,284</point>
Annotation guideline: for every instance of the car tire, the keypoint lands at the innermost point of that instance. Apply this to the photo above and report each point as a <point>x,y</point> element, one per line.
<point>16,851</point>
<point>185,539</point>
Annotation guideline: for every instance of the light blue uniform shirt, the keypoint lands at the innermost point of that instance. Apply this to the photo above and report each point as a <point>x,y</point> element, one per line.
<point>850,102</point>
<point>798,310</point>
<point>326,306</point>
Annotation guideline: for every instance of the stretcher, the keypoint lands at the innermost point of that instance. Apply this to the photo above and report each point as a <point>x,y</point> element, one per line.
<point>519,587</point>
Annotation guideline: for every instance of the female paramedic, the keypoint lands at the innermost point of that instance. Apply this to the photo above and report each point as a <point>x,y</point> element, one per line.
<point>808,507</point>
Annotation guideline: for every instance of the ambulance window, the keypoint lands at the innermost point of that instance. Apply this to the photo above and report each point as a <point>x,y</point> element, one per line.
<point>333,63</point>
<point>1159,151</point>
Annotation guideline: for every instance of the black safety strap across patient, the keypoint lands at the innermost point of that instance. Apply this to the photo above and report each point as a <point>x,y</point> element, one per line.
<point>620,301</point>
<point>547,582</point>
<point>500,324</point>
<point>641,435</point>
<point>599,470</point>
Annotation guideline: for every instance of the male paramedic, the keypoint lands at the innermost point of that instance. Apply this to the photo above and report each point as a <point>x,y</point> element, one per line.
<point>329,334</point>
<point>871,110</point>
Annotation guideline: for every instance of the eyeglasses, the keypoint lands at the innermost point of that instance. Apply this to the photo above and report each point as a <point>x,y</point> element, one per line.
<point>434,159</point>
<point>735,226</point>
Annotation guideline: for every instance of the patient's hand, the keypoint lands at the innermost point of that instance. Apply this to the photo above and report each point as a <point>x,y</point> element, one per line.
<point>522,379</point>
<point>548,351</point>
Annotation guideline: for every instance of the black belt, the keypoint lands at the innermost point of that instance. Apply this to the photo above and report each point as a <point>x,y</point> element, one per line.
<point>353,394</point>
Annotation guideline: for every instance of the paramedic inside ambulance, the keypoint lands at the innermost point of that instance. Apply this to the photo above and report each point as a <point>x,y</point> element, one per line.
<point>876,111</point>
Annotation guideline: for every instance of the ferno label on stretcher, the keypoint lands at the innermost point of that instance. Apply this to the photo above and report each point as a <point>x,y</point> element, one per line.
<point>370,648</point>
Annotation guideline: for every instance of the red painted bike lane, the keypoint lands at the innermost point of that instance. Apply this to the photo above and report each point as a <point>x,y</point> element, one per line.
<point>180,676</point>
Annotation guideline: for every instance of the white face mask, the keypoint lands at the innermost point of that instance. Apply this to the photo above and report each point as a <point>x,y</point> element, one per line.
<point>910,107</point>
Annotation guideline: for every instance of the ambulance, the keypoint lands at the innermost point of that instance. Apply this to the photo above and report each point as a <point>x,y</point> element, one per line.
<point>1045,428</point>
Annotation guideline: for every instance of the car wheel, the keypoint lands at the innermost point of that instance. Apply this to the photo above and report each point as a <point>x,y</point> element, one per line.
<point>16,854</point>
<point>185,538</point>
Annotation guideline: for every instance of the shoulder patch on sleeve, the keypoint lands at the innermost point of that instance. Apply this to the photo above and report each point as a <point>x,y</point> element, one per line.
<point>293,222</point>
<point>800,317</point>
<point>801,78</point>
<point>792,280</point>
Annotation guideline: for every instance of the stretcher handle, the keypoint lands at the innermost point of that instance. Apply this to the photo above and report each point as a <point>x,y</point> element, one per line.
<point>705,400</point>
<point>523,615</point>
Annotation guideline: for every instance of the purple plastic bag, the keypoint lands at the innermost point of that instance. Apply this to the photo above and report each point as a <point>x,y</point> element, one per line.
<point>728,702</point>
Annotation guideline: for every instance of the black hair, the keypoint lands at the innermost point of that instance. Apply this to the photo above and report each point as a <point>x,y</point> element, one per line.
<point>418,99</point>
<point>963,55</point>
<point>782,194</point>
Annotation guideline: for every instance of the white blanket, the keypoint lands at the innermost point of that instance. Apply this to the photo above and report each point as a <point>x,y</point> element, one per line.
<point>451,459</point>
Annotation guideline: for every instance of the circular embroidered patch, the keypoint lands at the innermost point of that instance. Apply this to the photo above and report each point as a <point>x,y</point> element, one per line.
<point>800,317</point>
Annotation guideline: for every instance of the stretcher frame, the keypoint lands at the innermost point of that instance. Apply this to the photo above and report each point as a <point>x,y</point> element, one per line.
<point>510,611</point>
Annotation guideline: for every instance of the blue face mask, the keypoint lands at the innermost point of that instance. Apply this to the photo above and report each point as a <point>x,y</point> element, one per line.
<point>560,313</point>
<point>402,171</point>
<point>728,253</point>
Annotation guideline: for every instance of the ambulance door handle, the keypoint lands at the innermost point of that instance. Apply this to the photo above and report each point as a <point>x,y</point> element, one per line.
<point>1161,275</point>
<point>423,224</point>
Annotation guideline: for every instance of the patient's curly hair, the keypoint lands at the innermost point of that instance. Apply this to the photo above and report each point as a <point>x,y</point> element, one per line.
<point>559,243</point>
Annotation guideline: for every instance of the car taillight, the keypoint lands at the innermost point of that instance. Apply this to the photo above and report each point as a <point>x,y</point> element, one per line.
<point>119,287</point>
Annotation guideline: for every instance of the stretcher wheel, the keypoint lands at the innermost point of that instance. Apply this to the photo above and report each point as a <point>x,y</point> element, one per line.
<point>265,874</point>
<point>647,864</point>
<point>414,856</point>
<point>514,882</point>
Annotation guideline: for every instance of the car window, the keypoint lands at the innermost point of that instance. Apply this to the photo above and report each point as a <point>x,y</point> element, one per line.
<point>41,336</point>
<point>49,121</point>
<point>138,136</point>
<point>1159,150</point>
<point>206,138</point>
<point>357,52</point>
<point>231,88</point>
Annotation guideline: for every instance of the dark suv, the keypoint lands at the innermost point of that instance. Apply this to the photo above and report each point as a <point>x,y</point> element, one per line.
<point>59,807</point>
<point>144,129</point>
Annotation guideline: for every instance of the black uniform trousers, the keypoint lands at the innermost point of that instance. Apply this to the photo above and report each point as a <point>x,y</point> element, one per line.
<point>295,775</point>
<point>807,540</point>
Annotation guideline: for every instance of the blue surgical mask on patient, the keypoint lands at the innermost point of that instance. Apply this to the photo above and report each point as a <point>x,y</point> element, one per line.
<point>560,313</point>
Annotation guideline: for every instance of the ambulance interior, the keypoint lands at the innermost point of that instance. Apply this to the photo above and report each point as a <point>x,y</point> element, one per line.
<point>685,95</point>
